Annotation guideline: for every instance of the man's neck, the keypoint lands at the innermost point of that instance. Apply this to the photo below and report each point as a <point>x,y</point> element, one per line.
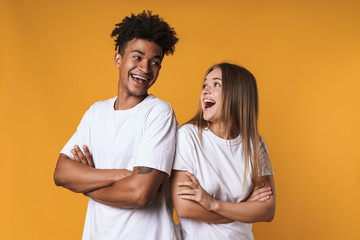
<point>125,102</point>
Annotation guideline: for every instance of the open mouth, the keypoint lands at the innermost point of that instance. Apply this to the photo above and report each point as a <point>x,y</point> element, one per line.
<point>208,103</point>
<point>139,78</point>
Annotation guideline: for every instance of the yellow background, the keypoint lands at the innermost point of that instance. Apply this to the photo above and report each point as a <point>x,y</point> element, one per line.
<point>56,59</point>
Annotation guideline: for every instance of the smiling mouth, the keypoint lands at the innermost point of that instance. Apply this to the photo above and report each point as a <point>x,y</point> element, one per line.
<point>139,78</point>
<point>209,103</point>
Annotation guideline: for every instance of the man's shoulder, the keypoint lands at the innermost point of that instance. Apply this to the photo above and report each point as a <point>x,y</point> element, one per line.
<point>99,108</point>
<point>157,105</point>
<point>102,104</point>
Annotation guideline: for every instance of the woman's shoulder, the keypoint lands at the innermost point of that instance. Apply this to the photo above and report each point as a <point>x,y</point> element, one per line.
<point>189,129</point>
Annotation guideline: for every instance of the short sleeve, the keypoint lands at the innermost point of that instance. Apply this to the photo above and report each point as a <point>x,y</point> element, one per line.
<point>185,152</point>
<point>265,160</point>
<point>157,143</point>
<point>81,136</point>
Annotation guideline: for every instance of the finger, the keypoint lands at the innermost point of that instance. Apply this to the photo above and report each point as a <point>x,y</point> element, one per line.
<point>75,156</point>
<point>185,184</point>
<point>188,197</point>
<point>127,173</point>
<point>186,192</point>
<point>81,155</point>
<point>88,156</point>
<point>264,194</point>
<point>254,198</point>
<point>264,198</point>
<point>192,177</point>
<point>261,190</point>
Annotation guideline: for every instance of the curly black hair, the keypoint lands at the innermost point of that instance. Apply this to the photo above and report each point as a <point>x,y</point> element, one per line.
<point>145,26</point>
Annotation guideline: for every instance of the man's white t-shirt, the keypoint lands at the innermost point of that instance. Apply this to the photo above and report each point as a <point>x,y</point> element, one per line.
<point>219,165</point>
<point>141,136</point>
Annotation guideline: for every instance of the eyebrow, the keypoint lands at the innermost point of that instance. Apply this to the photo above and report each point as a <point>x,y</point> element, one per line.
<point>142,53</point>
<point>214,79</point>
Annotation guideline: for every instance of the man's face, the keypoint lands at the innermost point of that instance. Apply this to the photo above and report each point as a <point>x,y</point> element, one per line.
<point>139,67</point>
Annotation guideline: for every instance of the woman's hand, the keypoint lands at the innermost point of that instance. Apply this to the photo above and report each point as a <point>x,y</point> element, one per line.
<point>259,193</point>
<point>195,192</point>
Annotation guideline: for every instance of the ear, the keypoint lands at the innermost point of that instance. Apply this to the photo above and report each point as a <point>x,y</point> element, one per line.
<point>117,60</point>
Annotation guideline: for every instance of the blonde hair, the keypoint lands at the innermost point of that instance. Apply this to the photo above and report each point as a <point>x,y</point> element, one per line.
<point>239,115</point>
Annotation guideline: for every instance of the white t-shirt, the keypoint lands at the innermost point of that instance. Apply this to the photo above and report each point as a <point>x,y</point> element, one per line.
<point>141,136</point>
<point>219,166</point>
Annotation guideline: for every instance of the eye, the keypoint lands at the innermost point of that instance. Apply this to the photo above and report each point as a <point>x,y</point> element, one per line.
<point>156,63</point>
<point>137,58</point>
<point>203,86</point>
<point>217,84</point>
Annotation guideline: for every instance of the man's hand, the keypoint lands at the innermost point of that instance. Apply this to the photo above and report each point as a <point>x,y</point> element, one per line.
<point>80,157</point>
<point>86,159</point>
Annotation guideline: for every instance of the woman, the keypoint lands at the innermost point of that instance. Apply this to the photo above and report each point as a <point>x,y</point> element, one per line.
<point>222,180</point>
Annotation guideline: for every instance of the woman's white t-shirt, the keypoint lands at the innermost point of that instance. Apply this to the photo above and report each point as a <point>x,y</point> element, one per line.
<point>219,165</point>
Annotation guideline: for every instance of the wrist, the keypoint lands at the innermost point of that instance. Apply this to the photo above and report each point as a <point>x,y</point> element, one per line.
<point>214,205</point>
<point>122,173</point>
<point>118,176</point>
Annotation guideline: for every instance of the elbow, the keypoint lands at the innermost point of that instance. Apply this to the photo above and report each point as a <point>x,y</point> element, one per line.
<point>269,217</point>
<point>60,172</point>
<point>270,214</point>
<point>185,208</point>
<point>143,199</point>
<point>181,214</point>
<point>61,180</point>
<point>184,211</point>
<point>58,179</point>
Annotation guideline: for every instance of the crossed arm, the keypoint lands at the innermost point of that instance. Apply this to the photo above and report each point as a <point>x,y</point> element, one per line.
<point>137,190</point>
<point>192,201</point>
<point>114,187</point>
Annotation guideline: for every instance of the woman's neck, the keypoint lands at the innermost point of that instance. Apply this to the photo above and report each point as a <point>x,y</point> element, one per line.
<point>219,130</point>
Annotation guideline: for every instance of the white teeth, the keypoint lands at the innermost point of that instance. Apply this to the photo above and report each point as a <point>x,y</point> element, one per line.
<point>208,100</point>
<point>139,77</point>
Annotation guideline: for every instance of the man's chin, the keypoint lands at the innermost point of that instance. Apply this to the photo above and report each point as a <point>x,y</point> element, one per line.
<point>138,94</point>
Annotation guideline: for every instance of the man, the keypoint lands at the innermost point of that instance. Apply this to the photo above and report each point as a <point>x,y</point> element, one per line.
<point>130,139</point>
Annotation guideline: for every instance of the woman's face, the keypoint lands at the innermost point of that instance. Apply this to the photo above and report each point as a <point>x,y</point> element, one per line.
<point>211,96</point>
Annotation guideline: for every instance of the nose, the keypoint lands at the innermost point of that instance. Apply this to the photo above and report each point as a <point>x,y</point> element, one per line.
<point>206,90</point>
<point>144,66</point>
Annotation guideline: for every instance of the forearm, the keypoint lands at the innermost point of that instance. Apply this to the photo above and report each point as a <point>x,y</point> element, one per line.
<point>247,212</point>
<point>120,194</point>
<point>195,211</point>
<point>191,209</point>
<point>130,192</point>
<point>80,178</point>
<point>118,204</point>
